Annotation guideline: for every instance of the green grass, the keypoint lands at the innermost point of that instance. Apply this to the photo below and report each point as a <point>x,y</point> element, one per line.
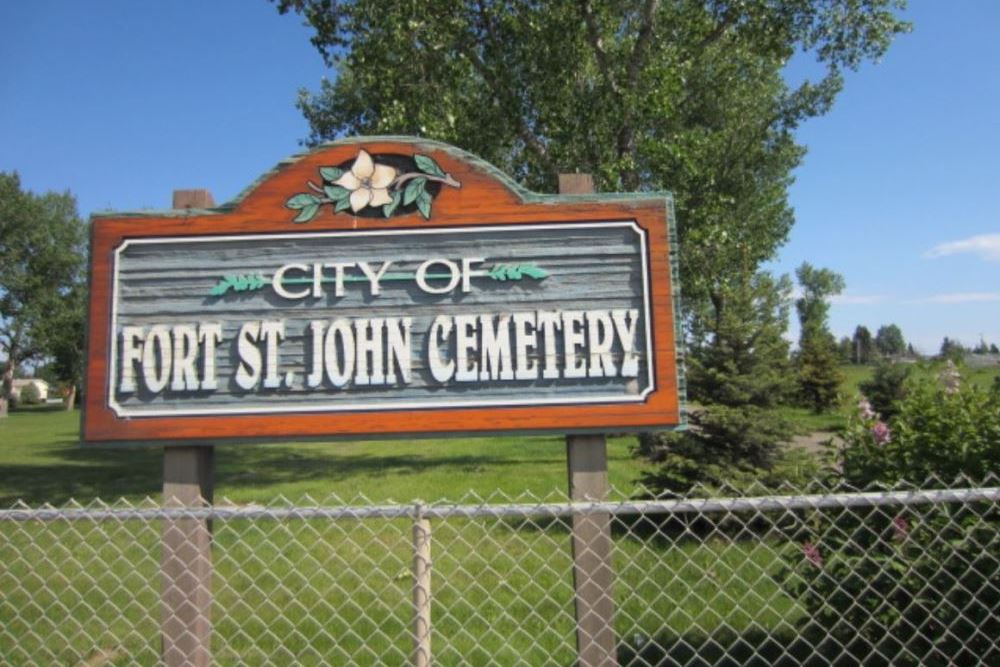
<point>306,591</point>
<point>41,462</point>
<point>806,421</point>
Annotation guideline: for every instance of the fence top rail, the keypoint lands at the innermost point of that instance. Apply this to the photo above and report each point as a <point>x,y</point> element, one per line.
<point>513,510</point>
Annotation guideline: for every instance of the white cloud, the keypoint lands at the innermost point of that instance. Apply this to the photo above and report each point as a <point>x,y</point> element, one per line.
<point>857,299</point>
<point>986,246</point>
<point>961,297</point>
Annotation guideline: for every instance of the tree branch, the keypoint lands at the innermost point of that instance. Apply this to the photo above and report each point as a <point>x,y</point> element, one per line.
<point>642,43</point>
<point>597,44</point>
<point>498,92</point>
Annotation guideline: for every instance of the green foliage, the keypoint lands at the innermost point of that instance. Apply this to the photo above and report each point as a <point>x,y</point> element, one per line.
<point>30,395</point>
<point>937,432</point>
<point>886,388</point>
<point>893,582</point>
<point>919,587</point>
<point>684,96</point>
<point>864,345</point>
<point>889,341</point>
<point>745,361</point>
<point>735,374</point>
<point>725,447</point>
<point>952,350</point>
<point>818,365</point>
<point>41,274</point>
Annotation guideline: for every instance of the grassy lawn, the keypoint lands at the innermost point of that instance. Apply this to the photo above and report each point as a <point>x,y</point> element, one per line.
<point>41,462</point>
<point>306,591</point>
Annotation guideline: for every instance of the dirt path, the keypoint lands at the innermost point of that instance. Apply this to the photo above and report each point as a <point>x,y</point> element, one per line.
<point>812,442</point>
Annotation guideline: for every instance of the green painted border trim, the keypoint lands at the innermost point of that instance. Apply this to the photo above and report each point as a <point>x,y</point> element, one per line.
<point>525,195</point>
<point>675,303</point>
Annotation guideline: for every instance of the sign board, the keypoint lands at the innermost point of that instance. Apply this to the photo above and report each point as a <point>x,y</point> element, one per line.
<point>376,287</point>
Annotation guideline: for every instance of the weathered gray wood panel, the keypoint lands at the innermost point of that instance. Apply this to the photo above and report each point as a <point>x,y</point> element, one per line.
<point>590,267</point>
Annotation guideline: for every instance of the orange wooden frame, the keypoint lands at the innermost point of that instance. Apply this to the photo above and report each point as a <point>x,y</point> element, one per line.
<point>485,198</point>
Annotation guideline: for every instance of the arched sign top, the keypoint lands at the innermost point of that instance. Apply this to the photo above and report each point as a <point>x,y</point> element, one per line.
<point>380,286</point>
<point>401,163</point>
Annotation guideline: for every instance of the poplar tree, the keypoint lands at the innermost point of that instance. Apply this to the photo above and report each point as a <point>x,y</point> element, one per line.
<point>818,366</point>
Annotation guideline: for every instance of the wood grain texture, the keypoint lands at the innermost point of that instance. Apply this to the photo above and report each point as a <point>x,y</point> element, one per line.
<point>484,199</point>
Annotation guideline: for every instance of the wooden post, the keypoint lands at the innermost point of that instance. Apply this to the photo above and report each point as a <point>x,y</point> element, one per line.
<point>186,561</point>
<point>421,591</point>
<point>593,575</point>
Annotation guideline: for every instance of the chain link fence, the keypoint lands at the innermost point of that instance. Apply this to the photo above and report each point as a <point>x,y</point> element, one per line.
<point>808,576</point>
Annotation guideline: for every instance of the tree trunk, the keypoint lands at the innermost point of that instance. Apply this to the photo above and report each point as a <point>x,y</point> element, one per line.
<point>70,401</point>
<point>6,387</point>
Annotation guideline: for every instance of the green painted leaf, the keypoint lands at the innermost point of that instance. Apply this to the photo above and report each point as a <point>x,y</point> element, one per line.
<point>391,207</point>
<point>335,192</point>
<point>331,174</point>
<point>424,204</point>
<point>413,190</point>
<point>535,272</point>
<point>307,213</point>
<point>301,201</point>
<point>427,165</point>
<point>342,204</point>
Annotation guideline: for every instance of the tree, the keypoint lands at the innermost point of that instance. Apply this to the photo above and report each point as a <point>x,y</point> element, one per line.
<point>953,350</point>
<point>41,259</point>
<point>646,95</point>
<point>994,349</point>
<point>889,341</point>
<point>845,350</point>
<point>819,372</point>
<point>864,347</point>
<point>734,376</point>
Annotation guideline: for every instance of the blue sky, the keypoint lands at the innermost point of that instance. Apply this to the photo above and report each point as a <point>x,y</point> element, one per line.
<point>123,102</point>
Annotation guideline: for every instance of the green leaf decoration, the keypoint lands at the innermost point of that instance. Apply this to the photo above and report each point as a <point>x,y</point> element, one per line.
<point>391,207</point>
<point>335,192</point>
<point>424,204</point>
<point>342,204</point>
<point>427,165</point>
<point>505,272</point>
<point>413,190</point>
<point>302,200</point>
<point>239,283</point>
<point>330,174</point>
<point>307,213</point>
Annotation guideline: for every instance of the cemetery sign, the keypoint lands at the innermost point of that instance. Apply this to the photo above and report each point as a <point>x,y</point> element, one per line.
<point>379,287</point>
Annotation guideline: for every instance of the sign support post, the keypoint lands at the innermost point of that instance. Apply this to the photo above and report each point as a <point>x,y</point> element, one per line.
<point>593,576</point>
<point>186,561</point>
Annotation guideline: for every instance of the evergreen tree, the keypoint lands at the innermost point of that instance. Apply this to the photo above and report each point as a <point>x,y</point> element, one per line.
<point>864,346</point>
<point>845,350</point>
<point>735,376</point>
<point>818,369</point>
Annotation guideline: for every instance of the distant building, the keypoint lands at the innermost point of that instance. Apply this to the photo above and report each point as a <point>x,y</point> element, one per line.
<point>41,385</point>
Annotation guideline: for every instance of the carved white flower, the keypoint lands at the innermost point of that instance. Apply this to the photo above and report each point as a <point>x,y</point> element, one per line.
<point>368,182</point>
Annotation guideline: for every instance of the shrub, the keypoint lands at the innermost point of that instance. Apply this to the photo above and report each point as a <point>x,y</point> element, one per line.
<point>886,388</point>
<point>937,432</point>
<point>726,447</point>
<point>917,585</point>
<point>30,395</point>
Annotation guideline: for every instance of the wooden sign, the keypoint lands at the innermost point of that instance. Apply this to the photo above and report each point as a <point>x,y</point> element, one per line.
<point>377,287</point>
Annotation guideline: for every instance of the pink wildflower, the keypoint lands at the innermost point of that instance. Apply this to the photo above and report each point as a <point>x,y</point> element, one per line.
<point>900,528</point>
<point>812,554</point>
<point>865,409</point>
<point>881,433</point>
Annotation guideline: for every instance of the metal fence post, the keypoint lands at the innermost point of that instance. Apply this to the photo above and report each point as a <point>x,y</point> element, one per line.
<point>421,588</point>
